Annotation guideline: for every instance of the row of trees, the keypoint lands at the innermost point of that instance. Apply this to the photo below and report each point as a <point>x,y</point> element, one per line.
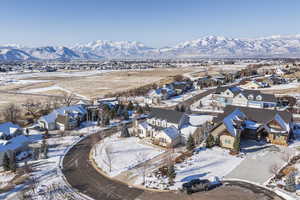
<point>36,108</point>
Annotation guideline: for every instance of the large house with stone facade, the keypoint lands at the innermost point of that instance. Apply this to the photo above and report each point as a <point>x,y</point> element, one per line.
<point>238,123</point>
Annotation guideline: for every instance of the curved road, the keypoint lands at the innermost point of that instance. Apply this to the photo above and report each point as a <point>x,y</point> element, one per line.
<point>81,175</point>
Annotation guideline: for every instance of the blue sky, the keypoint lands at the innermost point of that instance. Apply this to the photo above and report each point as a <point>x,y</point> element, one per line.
<point>154,22</point>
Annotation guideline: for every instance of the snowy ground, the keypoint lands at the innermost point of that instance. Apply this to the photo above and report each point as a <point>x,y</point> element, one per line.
<point>124,153</point>
<point>180,98</point>
<point>46,172</point>
<point>206,164</point>
<point>282,86</point>
<point>206,105</point>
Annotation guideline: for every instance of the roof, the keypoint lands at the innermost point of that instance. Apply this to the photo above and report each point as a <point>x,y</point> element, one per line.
<point>50,118</point>
<point>255,114</point>
<point>14,143</point>
<point>234,89</point>
<point>231,120</point>
<point>171,132</point>
<point>171,116</point>
<point>255,93</point>
<point>8,128</point>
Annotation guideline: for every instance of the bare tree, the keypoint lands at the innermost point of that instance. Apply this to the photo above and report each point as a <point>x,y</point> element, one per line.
<point>108,152</point>
<point>68,98</point>
<point>11,113</point>
<point>32,107</point>
<point>144,166</point>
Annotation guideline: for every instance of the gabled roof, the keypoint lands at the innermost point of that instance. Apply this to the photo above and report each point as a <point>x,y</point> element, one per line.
<point>231,120</point>
<point>255,93</point>
<point>259,115</point>
<point>8,128</point>
<point>235,90</point>
<point>171,132</point>
<point>171,116</point>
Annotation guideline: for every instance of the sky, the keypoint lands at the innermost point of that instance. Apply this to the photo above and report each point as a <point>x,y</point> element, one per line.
<point>156,23</point>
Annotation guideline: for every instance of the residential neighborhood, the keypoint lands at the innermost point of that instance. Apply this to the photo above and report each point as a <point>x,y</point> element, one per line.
<point>150,100</point>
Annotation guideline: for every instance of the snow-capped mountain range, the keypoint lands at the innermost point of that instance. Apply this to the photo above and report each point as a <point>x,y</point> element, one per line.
<point>206,47</point>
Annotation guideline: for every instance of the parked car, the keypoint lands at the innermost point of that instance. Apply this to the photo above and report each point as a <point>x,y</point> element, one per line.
<point>195,185</point>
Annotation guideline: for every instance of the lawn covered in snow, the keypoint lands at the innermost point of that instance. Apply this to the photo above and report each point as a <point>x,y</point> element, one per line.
<point>205,164</point>
<point>124,153</point>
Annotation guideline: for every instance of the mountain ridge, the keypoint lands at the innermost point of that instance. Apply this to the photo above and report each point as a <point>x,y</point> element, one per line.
<point>205,47</point>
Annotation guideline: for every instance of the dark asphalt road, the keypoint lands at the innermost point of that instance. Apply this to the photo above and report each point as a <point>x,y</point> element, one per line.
<point>82,176</point>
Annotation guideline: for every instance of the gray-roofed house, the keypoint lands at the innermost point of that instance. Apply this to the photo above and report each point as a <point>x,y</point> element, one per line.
<point>162,127</point>
<point>252,123</point>
<point>241,97</point>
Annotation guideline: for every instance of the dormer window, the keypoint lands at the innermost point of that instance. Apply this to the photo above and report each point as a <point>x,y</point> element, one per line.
<point>259,98</point>
<point>250,97</point>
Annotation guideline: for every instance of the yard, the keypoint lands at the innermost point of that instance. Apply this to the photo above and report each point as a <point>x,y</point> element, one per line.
<point>115,155</point>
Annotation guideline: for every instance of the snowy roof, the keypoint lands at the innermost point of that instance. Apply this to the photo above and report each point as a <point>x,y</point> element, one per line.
<point>144,125</point>
<point>171,132</point>
<point>229,121</point>
<point>187,130</point>
<point>14,143</point>
<point>251,124</point>
<point>50,118</point>
<point>282,123</point>
<point>171,116</point>
<point>198,120</point>
<point>8,128</point>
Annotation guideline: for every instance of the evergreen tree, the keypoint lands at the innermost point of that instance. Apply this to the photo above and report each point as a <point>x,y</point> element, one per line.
<point>130,106</point>
<point>125,115</point>
<point>147,108</point>
<point>106,121</point>
<point>13,163</point>
<point>6,162</point>
<point>210,142</point>
<point>171,173</point>
<point>236,144</point>
<point>124,131</point>
<point>112,114</point>
<point>290,183</point>
<point>177,108</point>
<point>140,110</point>
<point>120,111</point>
<point>190,144</point>
<point>182,108</point>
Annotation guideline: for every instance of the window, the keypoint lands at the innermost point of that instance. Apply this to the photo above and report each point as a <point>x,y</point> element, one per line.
<point>250,97</point>
<point>227,93</point>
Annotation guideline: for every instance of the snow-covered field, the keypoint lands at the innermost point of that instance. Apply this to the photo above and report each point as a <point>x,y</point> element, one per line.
<point>206,164</point>
<point>122,153</point>
<point>282,86</point>
<point>180,98</point>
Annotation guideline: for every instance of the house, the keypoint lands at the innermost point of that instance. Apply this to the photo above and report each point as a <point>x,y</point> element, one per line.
<point>157,95</point>
<point>162,127</point>
<point>73,112</point>
<point>67,122</point>
<point>205,82</point>
<point>169,128</point>
<point>253,85</point>
<point>241,97</point>
<point>238,123</point>
<point>9,130</point>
